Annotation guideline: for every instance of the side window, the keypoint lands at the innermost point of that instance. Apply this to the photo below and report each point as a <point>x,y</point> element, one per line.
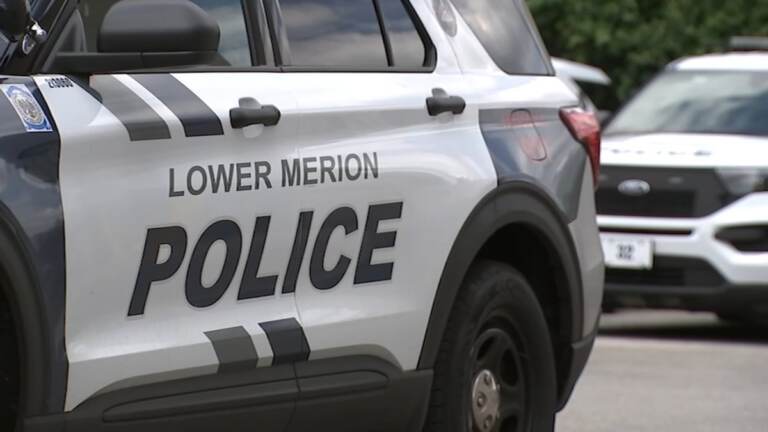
<point>408,48</point>
<point>233,45</point>
<point>502,27</point>
<point>4,43</point>
<point>339,33</point>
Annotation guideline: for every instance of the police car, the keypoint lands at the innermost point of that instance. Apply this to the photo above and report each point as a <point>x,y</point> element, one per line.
<point>683,199</point>
<point>290,215</point>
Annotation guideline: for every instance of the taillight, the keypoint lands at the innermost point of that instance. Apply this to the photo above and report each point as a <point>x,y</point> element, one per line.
<point>586,129</point>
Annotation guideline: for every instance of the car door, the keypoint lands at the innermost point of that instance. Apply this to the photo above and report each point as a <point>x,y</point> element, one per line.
<point>392,163</point>
<point>176,226</point>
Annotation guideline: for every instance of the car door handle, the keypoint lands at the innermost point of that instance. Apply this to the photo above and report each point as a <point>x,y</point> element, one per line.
<point>267,115</point>
<point>437,105</point>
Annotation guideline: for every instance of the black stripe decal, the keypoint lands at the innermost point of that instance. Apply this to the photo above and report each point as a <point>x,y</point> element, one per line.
<point>287,339</point>
<point>234,349</point>
<point>141,121</point>
<point>197,118</point>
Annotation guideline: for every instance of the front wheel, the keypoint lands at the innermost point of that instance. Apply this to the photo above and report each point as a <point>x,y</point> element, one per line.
<point>495,371</point>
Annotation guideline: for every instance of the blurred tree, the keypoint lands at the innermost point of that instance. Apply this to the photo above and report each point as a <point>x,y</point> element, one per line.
<point>633,39</point>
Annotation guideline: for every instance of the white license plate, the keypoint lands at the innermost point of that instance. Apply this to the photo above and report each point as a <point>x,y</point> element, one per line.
<point>627,251</point>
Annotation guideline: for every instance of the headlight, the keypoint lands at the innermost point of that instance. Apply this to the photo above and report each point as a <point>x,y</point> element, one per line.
<point>743,181</point>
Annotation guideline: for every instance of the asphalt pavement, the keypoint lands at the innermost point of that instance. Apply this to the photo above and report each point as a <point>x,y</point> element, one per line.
<point>672,371</point>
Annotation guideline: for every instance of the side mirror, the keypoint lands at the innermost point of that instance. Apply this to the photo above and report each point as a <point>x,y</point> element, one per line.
<point>14,17</point>
<point>142,34</point>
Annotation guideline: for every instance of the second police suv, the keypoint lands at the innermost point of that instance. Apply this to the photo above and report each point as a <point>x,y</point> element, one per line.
<point>683,198</point>
<point>290,215</point>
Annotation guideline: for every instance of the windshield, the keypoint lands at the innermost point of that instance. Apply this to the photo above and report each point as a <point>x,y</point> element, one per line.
<point>720,102</point>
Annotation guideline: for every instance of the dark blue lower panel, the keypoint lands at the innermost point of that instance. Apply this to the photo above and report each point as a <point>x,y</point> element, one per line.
<point>33,265</point>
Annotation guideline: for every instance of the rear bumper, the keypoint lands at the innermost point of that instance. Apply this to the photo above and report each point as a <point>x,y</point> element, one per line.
<point>580,352</point>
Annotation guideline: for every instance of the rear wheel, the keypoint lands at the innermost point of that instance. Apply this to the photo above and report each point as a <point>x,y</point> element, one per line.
<point>495,371</point>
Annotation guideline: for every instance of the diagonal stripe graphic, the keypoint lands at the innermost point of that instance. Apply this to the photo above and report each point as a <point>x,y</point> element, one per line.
<point>234,349</point>
<point>195,115</point>
<point>141,121</point>
<point>287,339</point>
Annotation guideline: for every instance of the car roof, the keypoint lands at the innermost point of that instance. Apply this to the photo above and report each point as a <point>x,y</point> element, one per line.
<point>735,61</point>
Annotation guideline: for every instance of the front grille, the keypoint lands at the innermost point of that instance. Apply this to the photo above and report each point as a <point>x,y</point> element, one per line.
<point>677,204</point>
<point>682,232</point>
<point>668,271</point>
<point>674,193</point>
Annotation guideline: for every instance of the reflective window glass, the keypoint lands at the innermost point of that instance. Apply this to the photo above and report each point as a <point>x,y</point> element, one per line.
<point>339,33</point>
<point>233,45</point>
<point>408,49</point>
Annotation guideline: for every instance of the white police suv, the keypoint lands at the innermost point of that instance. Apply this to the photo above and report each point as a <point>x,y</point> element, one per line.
<point>683,200</point>
<point>293,215</point>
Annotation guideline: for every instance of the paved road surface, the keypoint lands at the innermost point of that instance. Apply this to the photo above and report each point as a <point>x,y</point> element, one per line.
<point>670,371</point>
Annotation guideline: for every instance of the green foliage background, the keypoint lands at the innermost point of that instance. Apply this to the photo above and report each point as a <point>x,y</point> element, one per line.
<point>633,39</point>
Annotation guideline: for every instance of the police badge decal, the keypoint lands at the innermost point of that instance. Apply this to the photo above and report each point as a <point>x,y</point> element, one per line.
<point>31,114</point>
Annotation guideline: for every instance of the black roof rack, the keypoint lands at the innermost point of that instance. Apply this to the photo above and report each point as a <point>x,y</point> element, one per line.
<point>748,43</point>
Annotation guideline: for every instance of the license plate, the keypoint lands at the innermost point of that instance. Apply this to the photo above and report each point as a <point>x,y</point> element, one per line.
<point>627,251</point>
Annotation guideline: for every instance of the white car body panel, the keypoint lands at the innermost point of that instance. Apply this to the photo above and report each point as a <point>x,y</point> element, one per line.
<point>115,188</point>
<point>128,184</point>
<point>737,61</point>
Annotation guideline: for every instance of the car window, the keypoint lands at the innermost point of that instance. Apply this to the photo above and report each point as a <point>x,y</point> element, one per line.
<point>408,49</point>
<point>720,102</point>
<point>234,36</point>
<point>233,45</point>
<point>4,43</point>
<point>502,26</point>
<point>338,33</point>
<point>4,40</point>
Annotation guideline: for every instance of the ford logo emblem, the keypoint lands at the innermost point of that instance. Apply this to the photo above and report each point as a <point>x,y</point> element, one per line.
<point>634,188</point>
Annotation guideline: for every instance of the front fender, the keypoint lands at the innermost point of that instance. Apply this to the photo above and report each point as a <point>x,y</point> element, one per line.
<point>32,264</point>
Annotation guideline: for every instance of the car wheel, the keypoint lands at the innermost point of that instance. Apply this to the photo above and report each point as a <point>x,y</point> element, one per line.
<point>495,370</point>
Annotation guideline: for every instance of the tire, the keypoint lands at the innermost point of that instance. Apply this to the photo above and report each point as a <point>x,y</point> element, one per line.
<point>496,325</point>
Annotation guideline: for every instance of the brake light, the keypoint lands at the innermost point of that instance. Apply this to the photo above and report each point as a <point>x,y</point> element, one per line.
<point>586,129</point>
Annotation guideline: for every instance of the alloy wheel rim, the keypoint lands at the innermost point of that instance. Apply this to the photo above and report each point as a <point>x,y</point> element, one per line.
<point>499,387</point>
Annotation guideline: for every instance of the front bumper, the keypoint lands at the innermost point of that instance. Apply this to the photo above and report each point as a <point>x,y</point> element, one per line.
<point>696,238</point>
<point>747,302</point>
<point>693,269</point>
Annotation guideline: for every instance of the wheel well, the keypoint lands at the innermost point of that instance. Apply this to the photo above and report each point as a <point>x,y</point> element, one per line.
<point>527,249</point>
<point>9,367</point>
